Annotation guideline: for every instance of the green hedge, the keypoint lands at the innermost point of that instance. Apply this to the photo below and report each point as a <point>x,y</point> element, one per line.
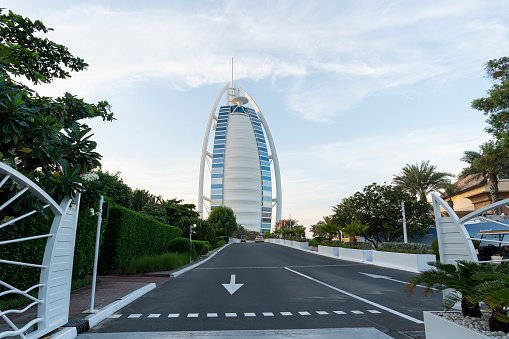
<point>403,247</point>
<point>131,235</point>
<point>180,245</point>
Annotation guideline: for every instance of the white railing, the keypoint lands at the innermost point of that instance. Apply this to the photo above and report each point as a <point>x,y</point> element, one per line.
<point>54,285</point>
<point>454,242</point>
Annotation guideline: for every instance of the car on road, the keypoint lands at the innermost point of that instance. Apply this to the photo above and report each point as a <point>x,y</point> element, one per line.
<point>242,238</point>
<point>259,238</point>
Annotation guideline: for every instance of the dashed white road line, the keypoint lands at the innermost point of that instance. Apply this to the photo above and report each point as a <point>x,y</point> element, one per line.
<point>246,314</point>
<point>359,298</point>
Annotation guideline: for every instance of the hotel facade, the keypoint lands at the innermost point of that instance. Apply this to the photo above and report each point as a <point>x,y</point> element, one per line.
<point>242,162</point>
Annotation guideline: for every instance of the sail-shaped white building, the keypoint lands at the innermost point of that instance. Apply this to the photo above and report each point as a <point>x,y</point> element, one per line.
<point>244,173</point>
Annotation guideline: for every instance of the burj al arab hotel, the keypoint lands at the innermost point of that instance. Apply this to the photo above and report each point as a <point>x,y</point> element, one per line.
<point>242,164</point>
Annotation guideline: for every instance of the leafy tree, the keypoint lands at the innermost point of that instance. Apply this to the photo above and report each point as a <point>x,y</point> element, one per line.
<point>496,104</point>
<point>223,220</point>
<point>420,180</point>
<point>141,198</point>
<point>315,229</point>
<point>41,136</point>
<point>204,231</point>
<point>490,162</point>
<point>378,207</point>
<point>299,232</point>
<point>116,192</point>
<point>175,210</point>
<point>155,211</point>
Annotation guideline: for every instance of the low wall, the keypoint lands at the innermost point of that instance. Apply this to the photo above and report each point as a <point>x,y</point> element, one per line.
<point>303,245</point>
<point>328,251</point>
<point>403,261</point>
<point>352,254</point>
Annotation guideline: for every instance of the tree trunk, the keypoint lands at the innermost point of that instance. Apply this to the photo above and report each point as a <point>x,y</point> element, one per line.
<point>451,203</point>
<point>469,310</point>
<point>494,190</point>
<point>497,325</point>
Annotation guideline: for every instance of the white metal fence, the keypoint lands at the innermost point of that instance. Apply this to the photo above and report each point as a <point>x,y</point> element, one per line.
<point>54,285</point>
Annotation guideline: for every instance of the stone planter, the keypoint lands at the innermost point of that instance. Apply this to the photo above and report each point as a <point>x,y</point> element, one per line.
<point>277,241</point>
<point>303,245</point>
<point>352,254</point>
<point>288,243</point>
<point>438,327</point>
<point>403,261</point>
<point>328,251</point>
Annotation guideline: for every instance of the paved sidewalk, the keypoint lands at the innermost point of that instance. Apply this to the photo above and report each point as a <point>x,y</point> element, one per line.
<point>112,287</point>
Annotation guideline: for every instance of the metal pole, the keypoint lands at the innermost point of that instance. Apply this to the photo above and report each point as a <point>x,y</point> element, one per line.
<point>190,243</point>
<point>405,237</point>
<point>96,254</point>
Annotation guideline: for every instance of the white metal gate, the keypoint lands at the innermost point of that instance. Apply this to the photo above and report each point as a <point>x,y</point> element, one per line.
<point>56,268</point>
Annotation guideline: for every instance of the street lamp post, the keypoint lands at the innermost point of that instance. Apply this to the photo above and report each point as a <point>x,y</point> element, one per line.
<point>405,237</point>
<point>191,227</point>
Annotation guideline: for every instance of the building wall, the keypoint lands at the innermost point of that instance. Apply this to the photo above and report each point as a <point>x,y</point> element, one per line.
<point>241,177</point>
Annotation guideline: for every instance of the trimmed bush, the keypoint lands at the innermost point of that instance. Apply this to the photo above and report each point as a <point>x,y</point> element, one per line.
<point>155,263</point>
<point>201,247</point>
<point>220,243</point>
<point>180,245</point>
<point>402,247</point>
<point>359,245</point>
<point>131,235</point>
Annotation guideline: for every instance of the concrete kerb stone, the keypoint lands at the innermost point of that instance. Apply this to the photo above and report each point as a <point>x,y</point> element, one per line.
<point>66,333</point>
<point>184,270</point>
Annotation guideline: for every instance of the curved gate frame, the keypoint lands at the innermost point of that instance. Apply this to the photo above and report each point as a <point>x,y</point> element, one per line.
<point>56,268</point>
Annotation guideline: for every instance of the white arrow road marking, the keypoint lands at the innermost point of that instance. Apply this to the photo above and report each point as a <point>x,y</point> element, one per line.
<point>232,287</point>
<point>358,298</point>
<point>376,276</point>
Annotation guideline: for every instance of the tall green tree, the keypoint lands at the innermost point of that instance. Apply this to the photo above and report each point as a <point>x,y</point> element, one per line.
<point>43,137</point>
<point>223,220</point>
<point>491,161</point>
<point>496,104</point>
<point>420,180</point>
<point>379,208</point>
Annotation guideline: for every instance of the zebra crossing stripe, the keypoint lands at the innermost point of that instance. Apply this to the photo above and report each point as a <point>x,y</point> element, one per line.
<point>234,315</point>
<point>114,316</point>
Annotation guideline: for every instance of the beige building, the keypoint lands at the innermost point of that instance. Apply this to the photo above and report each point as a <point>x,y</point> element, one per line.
<point>475,194</point>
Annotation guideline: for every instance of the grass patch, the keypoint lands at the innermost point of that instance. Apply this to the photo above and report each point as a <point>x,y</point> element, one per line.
<point>155,263</point>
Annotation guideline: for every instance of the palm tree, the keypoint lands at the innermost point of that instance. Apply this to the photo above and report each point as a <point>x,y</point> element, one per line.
<point>354,229</point>
<point>420,180</point>
<point>330,231</point>
<point>490,162</point>
<point>449,190</point>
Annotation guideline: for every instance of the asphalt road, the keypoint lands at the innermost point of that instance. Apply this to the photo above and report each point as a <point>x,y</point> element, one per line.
<point>282,288</point>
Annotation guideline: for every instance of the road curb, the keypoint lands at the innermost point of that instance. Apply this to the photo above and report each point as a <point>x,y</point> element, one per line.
<point>184,270</point>
<point>94,319</point>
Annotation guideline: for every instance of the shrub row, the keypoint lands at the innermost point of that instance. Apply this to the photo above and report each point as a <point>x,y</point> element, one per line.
<point>403,247</point>
<point>131,235</point>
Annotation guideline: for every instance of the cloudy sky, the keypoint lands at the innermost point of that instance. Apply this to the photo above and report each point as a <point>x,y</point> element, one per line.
<point>352,90</point>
